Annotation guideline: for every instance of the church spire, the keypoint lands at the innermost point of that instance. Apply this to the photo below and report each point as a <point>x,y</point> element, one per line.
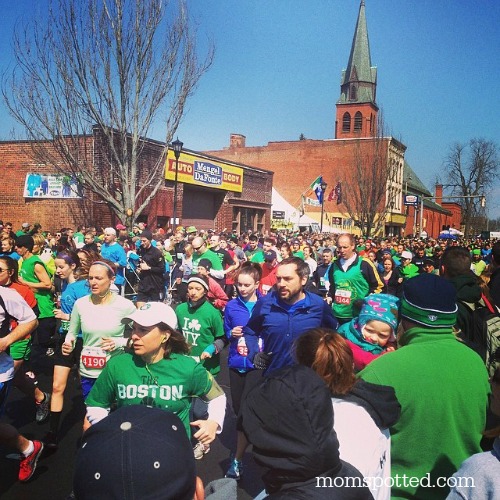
<point>358,85</point>
<point>359,80</point>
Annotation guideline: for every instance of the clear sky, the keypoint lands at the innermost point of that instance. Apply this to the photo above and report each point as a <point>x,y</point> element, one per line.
<point>278,65</point>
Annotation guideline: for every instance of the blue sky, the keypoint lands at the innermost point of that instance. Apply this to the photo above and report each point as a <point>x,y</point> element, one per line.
<point>278,64</point>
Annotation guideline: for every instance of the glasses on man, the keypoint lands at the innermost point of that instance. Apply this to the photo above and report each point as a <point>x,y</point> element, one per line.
<point>197,248</point>
<point>3,269</point>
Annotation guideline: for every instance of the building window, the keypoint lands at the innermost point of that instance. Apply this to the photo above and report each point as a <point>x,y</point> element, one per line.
<point>260,220</point>
<point>353,93</point>
<point>247,219</point>
<point>346,122</point>
<point>358,122</point>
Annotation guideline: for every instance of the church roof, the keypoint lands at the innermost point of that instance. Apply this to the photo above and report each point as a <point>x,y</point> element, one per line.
<point>415,185</point>
<point>359,68</point>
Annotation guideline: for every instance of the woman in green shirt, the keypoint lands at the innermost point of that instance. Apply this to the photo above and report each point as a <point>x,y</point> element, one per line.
<point>158,373</point>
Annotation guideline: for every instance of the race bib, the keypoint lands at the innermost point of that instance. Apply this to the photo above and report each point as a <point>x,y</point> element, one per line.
<point>343,297</point>
<point>93,358</point>
<point>265,289</point>
<point>241,347</point>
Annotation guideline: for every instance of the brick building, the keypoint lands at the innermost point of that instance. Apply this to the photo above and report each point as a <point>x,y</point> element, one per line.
<point>35,192</point>
<point>436,213</point>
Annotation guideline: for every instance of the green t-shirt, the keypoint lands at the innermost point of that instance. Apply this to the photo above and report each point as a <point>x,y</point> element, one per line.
<point>79,237</point>
<point>169,384</point>
<point>211,256</point>
<point>256,255</point>
<point>200,327</point>
<point>299,254</point>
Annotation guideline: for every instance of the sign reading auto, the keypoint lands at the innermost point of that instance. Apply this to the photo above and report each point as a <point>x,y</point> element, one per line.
<point>193,169</point>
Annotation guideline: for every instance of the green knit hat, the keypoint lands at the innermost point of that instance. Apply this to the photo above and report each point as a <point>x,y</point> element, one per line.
<point>429,300</point>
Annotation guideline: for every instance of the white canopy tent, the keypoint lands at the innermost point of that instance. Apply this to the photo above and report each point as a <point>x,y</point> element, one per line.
<point>293,216</point>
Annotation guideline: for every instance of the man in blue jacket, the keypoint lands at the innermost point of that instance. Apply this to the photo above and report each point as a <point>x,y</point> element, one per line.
<point>283,315</point>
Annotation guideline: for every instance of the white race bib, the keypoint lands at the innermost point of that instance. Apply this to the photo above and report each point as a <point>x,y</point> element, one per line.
<point>93,358</point>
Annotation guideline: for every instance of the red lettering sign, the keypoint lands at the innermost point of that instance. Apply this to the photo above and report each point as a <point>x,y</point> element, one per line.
<point>231,178</point>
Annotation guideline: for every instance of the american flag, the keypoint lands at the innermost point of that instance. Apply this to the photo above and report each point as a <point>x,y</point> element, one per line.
<point>336,193</point>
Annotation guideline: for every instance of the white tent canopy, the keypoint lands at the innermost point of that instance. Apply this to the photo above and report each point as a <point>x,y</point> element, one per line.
<point>293,216</point>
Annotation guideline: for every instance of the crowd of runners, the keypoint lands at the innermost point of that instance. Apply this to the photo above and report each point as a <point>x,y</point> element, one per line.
<point>350,358</point>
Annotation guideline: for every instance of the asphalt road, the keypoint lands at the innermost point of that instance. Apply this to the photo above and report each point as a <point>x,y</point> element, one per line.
<point>53,477</point>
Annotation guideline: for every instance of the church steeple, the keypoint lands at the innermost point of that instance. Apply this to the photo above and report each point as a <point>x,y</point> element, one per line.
<point>356,107</point>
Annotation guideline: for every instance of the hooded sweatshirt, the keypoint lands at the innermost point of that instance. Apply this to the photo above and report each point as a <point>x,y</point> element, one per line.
<point>362,418</point>
<point>288,418</point>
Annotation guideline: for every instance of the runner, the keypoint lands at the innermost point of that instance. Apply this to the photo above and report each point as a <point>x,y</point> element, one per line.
<point>99,317</point>
<point>158,373</point>
<point>73,288</point>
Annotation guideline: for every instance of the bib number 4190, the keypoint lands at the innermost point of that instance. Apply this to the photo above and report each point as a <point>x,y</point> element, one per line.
<point>93,361</point>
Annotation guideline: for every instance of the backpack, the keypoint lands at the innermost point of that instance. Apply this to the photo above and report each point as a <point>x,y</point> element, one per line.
<point>485,325</point>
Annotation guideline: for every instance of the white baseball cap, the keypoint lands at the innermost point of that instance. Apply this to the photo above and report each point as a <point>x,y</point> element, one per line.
<point>152,313</point>
<point>406,255</point>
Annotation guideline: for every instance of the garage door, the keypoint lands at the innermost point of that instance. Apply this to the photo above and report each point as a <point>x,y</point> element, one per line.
<point>200,207</point>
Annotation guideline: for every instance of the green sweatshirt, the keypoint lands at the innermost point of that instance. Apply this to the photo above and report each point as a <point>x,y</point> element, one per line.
<point>443,388</point>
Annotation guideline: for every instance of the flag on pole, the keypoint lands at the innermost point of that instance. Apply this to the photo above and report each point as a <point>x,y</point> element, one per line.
<point>316,187</point>
<point>338,192</point>
<point>331,196</point>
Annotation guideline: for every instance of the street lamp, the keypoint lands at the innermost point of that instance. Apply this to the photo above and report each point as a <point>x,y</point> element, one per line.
<point>323,186</point>
<point>177,147</point>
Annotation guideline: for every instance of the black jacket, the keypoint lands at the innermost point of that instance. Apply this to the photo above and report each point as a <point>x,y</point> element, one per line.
<point>393,287</point>
<point>152,280</point>
<point>288,418</point>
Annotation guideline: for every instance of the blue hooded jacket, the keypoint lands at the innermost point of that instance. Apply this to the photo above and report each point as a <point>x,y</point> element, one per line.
<point>236,313</point>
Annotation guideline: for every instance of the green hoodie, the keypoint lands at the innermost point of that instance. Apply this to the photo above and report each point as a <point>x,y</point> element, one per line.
<point>443,388</point>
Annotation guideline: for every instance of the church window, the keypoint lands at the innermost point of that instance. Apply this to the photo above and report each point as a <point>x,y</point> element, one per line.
<point>353,93</point>
<point>346,122</point>
<point>358,121</point>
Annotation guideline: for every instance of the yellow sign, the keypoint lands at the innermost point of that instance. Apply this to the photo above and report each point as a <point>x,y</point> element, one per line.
<point>395,218</point>
<point>193,169</point>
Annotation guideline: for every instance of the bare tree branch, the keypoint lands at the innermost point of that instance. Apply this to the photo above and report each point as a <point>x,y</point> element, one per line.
<point>108,67</point>
<point>373,185</point>
<point>472,170</point>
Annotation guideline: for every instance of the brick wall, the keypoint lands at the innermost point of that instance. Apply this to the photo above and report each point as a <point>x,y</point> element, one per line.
<point>296,164</point>
<point>16,161</point>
